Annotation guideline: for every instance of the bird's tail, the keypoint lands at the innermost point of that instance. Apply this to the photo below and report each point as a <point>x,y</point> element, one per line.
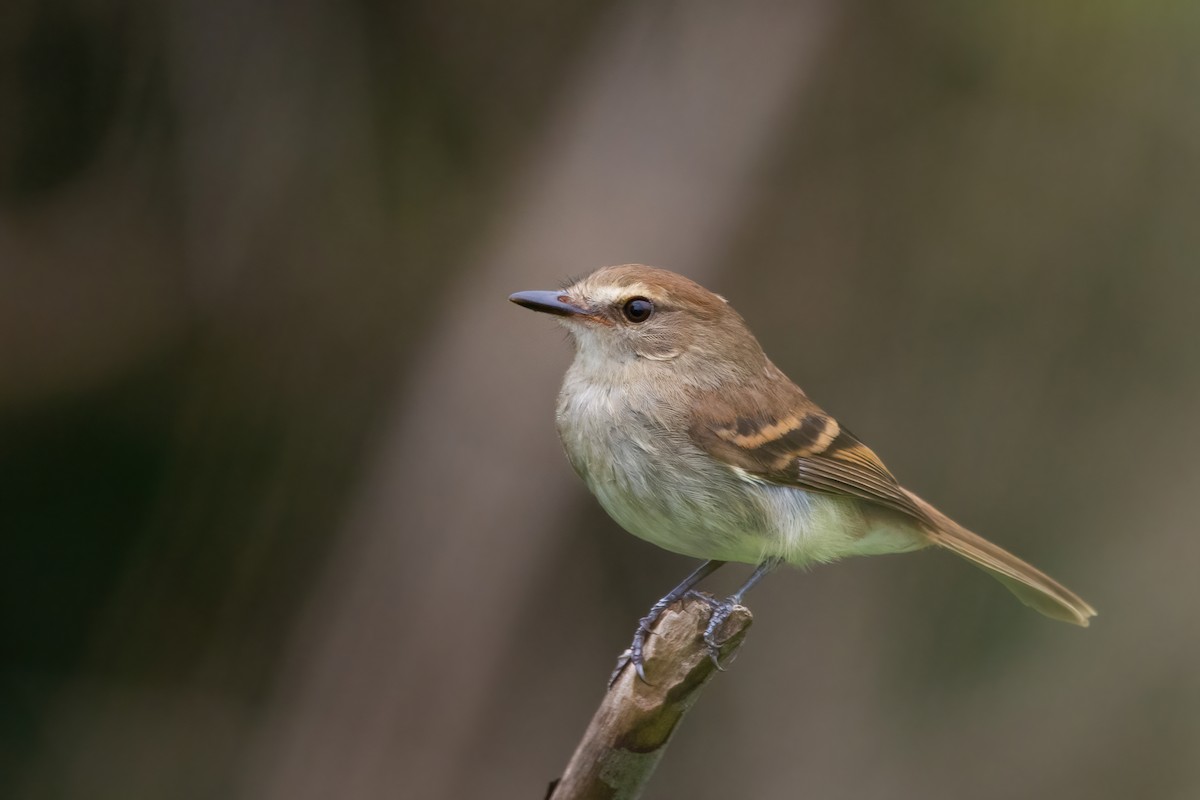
<point>1032,587</point>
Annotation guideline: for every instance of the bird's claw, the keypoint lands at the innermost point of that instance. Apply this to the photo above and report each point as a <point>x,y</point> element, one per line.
<point>722,610</point>
<point>635,652</point>
<point>623,661</point>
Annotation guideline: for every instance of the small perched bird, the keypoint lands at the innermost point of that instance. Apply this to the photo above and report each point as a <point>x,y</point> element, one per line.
<point>693,440</point>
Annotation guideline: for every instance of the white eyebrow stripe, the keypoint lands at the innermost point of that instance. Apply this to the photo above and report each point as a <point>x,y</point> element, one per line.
<point>613,294</point>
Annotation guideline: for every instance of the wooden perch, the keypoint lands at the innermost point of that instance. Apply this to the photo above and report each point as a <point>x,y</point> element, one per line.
<point>633,725</point>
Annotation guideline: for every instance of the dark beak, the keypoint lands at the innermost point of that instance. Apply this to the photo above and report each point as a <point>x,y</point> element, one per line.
<point>549,303</point>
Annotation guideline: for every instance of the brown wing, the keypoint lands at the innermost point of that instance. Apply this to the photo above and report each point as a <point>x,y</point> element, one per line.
<point>789,440</point>
<point>795,443</point>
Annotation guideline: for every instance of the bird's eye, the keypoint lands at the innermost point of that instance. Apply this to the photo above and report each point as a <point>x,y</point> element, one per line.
<point>637,309</point>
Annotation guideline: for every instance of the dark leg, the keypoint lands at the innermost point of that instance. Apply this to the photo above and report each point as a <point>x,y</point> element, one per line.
<point>634,653</point>
<point>723,608</point>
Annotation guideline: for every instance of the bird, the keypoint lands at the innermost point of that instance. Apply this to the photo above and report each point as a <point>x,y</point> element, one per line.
<point>692,439</point>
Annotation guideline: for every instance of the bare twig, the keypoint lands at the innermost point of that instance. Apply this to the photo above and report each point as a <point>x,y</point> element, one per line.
<point>633,725</point>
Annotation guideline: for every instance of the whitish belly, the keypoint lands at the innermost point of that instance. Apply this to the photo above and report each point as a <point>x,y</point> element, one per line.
<point>673,495</point>
<point>718,514</point>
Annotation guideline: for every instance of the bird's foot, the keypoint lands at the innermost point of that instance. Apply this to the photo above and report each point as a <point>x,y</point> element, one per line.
<point>636,653</point>
<point>721,611</point>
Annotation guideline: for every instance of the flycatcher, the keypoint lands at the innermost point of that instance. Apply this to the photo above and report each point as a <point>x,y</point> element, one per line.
<point>693,440</point>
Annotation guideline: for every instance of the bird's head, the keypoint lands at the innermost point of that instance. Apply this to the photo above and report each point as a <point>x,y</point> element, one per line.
<point>627,314</point>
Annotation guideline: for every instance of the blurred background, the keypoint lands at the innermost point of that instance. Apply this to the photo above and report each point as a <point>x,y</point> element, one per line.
<point>282,510</point>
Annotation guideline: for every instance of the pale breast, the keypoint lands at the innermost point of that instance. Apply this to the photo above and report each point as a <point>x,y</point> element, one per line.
<point>655,483</point>
<point>660,487</point>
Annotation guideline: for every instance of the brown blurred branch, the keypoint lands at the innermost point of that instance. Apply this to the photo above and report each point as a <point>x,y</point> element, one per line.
<point>632,727</point>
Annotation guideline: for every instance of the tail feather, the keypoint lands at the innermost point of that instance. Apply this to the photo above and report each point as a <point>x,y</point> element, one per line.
<point>1032,587</point>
